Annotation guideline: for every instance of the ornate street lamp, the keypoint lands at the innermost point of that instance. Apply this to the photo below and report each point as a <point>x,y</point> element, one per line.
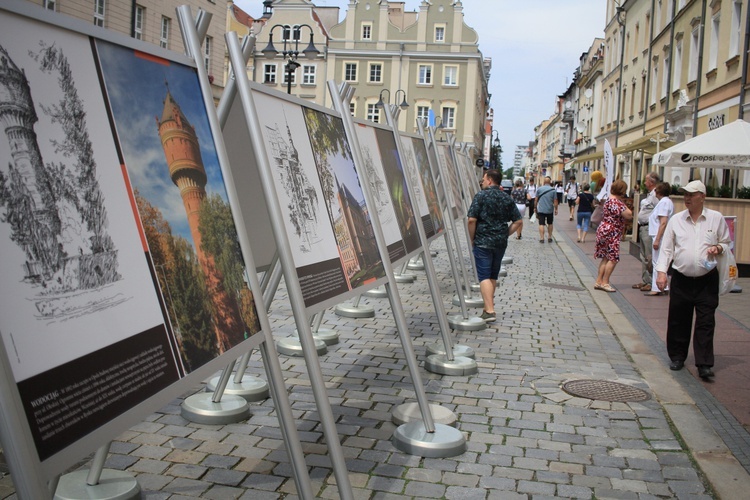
<point>290,35</point>
<point>381,103</point>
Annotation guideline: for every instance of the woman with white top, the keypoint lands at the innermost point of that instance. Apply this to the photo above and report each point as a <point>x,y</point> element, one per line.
<point>657,223</point>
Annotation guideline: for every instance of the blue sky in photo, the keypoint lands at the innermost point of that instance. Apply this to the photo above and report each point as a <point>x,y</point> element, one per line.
<point>136,88</point>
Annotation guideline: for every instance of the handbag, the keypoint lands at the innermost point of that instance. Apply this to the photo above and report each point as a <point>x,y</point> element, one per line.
<point>597,215</point>
<point>533,217</point>
<point>728,273</point>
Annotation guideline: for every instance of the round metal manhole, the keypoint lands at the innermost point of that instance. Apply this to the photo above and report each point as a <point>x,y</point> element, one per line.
<point>604,390</point>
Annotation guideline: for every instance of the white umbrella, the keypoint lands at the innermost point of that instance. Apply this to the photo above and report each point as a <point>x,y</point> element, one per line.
<point>724,147</point>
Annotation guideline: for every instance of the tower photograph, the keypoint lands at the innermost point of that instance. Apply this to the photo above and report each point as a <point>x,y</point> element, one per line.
<point>163,130</point>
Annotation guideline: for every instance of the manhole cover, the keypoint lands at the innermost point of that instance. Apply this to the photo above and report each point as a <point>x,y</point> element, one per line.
<point>604,390</point>
<point>563,287</point>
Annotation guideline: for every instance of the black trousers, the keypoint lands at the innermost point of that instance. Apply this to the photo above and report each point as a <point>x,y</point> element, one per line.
<point>687,296</point>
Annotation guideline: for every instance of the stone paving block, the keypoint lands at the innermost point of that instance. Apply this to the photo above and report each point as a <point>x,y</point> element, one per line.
<point>149,466</point>
<point>152,482</point>
<point>570,491</point>
<point>424,490</point>
<point>220,492</point>
<point>187,487</point>
<point>189,471</point>
<point>388,484</point>
<point>185,456</point>
<point>224,476</point>
<point>220,461</point>
<point>264,482</point>
<point>536,488</point>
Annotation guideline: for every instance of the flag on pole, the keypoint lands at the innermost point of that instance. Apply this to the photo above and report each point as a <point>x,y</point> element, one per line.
<point>609,169</point>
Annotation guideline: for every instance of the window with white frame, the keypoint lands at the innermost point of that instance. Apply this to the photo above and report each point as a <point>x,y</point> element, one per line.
<point>375,73</point>
<point>290,76</point>
<point>423,114</point>
<point>350,72</point>
<point>352,108</point>
<point>99,12</point>
<point>694,53</point>
<point>208,45</point>
<point>424,74</point>
<point>165,29</point>
<point>309,73</point>
<point>366,31</point>
<point>654,82</point>
<point>49,4</point>
<point>269,73</point>
<point>664,73</point>
<point>735,35</point>
<point>373,112</point>
<point>450,75</point>
<point>713,50</point>
<point>138,25</point>
<point>439,33</point>
<point>677,71</point>
<point>449,117</point>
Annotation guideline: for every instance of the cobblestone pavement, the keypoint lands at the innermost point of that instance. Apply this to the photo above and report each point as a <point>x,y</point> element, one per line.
<point>526,438</point>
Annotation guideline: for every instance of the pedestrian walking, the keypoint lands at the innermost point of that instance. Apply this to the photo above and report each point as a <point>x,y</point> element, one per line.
<point>519,195</point>
<point>531,196</point>
<point>657,224</point>
<point>490,213</point>
<point>609,233</point>
<point>572,191</point>
<point>645,245</point>
<point>585,204</point>
<point>546,205</point>
<point>692,241</point>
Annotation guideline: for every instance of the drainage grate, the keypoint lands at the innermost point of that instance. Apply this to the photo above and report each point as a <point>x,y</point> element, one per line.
<point>604,390</point>
<point>564,287</point>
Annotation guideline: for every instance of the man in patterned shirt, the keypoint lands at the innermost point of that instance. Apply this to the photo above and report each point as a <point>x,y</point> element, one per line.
<point>489,214</point>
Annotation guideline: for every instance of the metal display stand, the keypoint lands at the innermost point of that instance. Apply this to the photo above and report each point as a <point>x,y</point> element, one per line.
<point>462,322</point>
<point>445,362</point>
<point>423,437</point>
<point>286,260</point>
<point>376,293</point>
<point>355,309</point>
<point>97,482</point>
<point>190,29</point>
<point>404,276</point>
<point>416,263</point>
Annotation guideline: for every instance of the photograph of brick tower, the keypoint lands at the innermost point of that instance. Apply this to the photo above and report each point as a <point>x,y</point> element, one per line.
<point>163,129</point>
<point>186,170</point>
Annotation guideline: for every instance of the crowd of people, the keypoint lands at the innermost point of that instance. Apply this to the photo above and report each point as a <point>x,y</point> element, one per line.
<point>678,252</point>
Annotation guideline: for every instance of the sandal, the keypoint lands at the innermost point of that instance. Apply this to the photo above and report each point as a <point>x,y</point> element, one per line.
<point>598,286</point>
<point>607,288</point>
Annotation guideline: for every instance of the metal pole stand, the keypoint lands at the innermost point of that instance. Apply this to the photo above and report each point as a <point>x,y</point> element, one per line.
<point>216,408</point>
<point>328,336</point>
<point>98,483</point>
<point>249,387</point>
<point>416,263</point>
<point>376,293</point>
<point>410,412</point>
<point>507,260</point>
<point>403,276</point>
<point>291,346</point>
<point>355,310</point>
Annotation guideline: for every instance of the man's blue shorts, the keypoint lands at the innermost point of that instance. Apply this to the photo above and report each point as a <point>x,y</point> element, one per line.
<point>488,262</point>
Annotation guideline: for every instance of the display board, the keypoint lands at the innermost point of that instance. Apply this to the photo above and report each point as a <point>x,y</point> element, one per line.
<point>318,188</point>
<point>452,182</point>
<point>122,270</point>
<point>418,168</point>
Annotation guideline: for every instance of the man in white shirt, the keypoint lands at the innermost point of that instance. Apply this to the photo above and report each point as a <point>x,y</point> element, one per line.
<point>692,241</point>
<point>644,240</point>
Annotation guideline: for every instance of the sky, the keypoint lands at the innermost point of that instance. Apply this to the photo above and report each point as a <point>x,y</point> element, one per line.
<point>535,46</point>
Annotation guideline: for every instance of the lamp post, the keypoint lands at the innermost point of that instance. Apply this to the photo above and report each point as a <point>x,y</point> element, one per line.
<point>290,35</point>
<point>381,103</point>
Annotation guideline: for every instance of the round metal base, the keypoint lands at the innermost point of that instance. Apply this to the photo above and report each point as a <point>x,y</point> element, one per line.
<point>503,272</point>
<point>474,287</point>
<point>458,350</point>
<point>405,278</point>
<point>413,438</point>
<point>350,311</point>
<point>507,260</point>
<point>433,253</point>
<point>199,408</point>
<point>415,264</point>
<point>470,301</point>
<point>291,346</point>
<point>409,412</point>
<point>250,388</point>
<point>470,324</point>
<point>376,293</point>
<point>328,336</point>
<point>439,363</point>
<point>113,485</point>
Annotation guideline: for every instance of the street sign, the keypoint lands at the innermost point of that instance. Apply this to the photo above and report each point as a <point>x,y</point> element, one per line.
<point>479,162</point>
<point>585,169</point>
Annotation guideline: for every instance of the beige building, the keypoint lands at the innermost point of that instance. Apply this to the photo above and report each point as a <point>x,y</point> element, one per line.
<point>671,69</point>
<point>428,59</point>
<point>154,22</point>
